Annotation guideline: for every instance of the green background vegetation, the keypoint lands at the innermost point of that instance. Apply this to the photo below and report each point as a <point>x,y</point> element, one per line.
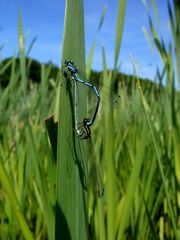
<point>44,195</point>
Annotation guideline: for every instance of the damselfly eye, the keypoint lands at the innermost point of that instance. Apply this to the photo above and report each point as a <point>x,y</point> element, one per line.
<point>66,62</point>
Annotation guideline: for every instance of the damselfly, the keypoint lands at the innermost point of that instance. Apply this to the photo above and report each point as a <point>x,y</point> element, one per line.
<point>83,127</point>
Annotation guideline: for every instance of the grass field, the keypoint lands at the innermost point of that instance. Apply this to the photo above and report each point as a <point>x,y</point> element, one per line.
<point>44,195</point>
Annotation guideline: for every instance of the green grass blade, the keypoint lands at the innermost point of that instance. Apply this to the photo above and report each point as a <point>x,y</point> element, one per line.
<point>148,38</point>
<point>24,80</point>
<point>153,3</point>
<point>110,187</point>
<point>145,4</point>
<point>90,59</point>
<point>132,186</point>
<point>177,36</point>
<point>8,188</point>
<point>91,52</point>
<point>176,140</point>
<point>5,66</point>
<point>52,128</point>
<point>71,206</point>
<point>119,29</point>
<point>31,46</point>
<point>48,210</point>
<point>102,17</point>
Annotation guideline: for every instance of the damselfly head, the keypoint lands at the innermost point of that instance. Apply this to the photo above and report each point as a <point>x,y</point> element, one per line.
<point>67,62</point>
<point>70,66</point>
<point>86,121</point>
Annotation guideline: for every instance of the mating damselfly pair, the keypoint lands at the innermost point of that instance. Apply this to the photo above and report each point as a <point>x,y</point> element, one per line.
<point>82,128</point>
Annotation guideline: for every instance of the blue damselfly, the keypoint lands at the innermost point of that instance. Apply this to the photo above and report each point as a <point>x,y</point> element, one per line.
<point>83,130</point>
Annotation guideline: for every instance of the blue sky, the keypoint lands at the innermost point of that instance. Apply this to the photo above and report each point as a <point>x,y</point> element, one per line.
<point>45,20</point>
